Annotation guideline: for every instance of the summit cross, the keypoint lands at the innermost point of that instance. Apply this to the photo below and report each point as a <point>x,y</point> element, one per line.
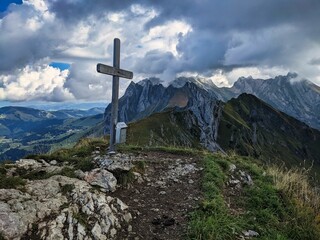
<point>116,73</point>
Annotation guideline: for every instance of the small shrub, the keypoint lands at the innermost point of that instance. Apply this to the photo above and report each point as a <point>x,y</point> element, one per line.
<point>66,189</point>
<point>295,184</point>
<point>302,200</point>
<point>124,178</point>
<point>140,166</point>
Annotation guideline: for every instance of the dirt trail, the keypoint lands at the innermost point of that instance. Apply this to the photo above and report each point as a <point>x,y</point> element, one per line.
<point>161,203</point>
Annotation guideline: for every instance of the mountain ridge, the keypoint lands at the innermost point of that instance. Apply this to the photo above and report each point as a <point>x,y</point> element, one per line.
<point>298,98</point>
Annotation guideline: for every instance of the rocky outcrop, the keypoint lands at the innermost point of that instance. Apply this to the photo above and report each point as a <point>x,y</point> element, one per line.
<point>148,97</point>
<point>139,101</point>
<point>206,113</point>
<point>61,207</point>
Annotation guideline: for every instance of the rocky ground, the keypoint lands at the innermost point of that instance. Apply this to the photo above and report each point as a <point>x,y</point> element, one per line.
<point>127,196</point>
<point>161,202</point>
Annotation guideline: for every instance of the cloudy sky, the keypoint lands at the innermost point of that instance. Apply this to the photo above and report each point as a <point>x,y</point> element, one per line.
<point>49,48</point>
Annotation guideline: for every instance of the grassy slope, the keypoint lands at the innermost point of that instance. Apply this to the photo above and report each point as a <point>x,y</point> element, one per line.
<point>279,136</point>
<point>267,207</point>
<point>163,129</point>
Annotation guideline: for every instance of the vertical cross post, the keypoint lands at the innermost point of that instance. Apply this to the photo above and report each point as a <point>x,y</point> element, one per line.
<point>115,95</point>
<point>116,73</point>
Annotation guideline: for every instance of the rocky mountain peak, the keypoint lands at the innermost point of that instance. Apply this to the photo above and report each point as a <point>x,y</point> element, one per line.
<point>288,93</point>
<point>150,81</point>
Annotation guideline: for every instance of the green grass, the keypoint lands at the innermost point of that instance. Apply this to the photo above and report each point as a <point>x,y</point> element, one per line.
<point>79,156</point>
<point>212,220</point>
<point>268,209</point>
<point>155,129</point>
<point>68,172</point>
<point>7,182</point>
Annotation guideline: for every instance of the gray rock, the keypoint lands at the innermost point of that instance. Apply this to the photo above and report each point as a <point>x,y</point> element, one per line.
<point>28,164</point>
<point>81,231</point>
<point>44,163</point>
<point>232,168</point>
<point>117,163</point>
<point>127,217</point>
<point>138,177</point>
<point>53,162</point>
<point>96,232</point>
<point>250,233</point>
<point>190,181</point>
<point>248,180</point>
<point>102,178</point>
<point>234,182</point>
<point>79,174</point>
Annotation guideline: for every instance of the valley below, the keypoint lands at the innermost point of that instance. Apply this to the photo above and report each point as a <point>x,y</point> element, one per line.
<point>30,131</point>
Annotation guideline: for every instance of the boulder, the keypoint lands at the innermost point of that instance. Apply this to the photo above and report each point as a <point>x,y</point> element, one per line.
<point>102,178</point>
<point>117,163</point>
<point>28,164</point>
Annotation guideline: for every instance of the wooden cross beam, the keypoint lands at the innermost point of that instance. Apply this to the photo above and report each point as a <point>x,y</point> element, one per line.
<point>116,73</point>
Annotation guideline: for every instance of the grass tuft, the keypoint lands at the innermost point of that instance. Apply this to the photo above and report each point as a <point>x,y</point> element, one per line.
<point>7,182</point>
<point>294,183</point>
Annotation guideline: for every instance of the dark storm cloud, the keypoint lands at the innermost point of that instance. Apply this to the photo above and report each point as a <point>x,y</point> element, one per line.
<point>154,62</point>
<point>213,43</point>
<point>237,15</point>
<point>275,32</point>
<point>217,15</point>
<point>71,10</point>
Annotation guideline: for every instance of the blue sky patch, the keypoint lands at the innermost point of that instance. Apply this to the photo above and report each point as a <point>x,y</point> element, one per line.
<point>5,3</point>
<point>60,65</point>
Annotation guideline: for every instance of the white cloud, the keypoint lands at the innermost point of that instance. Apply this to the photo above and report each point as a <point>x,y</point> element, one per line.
<point>34,83</point>
<point>166,37</point>
<point>255,72</point>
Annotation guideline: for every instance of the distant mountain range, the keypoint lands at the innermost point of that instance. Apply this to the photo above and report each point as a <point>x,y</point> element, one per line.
<point>55,106</point>
<point>27,130</point>
<point>298,98</point>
